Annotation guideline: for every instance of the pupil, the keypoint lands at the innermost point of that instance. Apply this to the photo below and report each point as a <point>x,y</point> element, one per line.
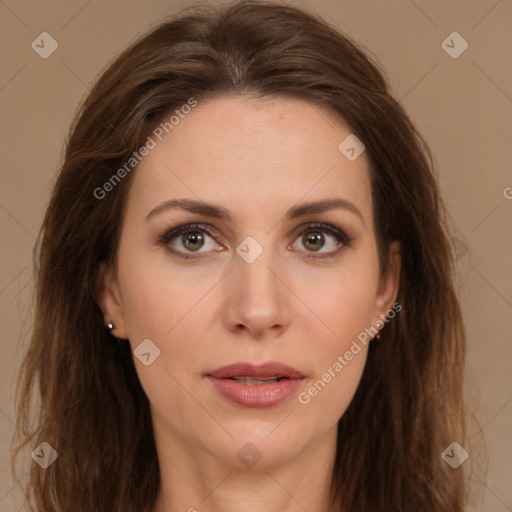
<point>195,240</point>
<point>312,241</point>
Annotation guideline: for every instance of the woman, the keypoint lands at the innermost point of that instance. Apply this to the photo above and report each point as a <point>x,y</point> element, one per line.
<point>245,295</point>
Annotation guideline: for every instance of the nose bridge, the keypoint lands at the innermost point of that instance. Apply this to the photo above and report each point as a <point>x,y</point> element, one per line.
<point>255,296</point>
<point>256,278</point>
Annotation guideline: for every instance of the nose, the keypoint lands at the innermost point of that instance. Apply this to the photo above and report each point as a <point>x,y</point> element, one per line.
<point>256,300</point>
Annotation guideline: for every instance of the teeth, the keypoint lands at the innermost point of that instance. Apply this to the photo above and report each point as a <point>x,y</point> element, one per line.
<point>248,381</point>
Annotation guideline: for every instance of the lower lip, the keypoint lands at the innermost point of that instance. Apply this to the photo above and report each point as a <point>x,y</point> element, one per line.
<point>265,395</point>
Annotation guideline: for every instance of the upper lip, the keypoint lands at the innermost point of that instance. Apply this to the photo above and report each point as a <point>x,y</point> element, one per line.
<point>265,370</point>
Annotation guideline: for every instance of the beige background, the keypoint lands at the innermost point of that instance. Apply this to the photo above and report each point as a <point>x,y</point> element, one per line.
<point>463,107</point>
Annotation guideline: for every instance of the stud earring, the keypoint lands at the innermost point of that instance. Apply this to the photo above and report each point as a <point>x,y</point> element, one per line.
<point>110,327</point>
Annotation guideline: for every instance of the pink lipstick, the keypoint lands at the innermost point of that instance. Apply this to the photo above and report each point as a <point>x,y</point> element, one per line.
<point>250,385</point>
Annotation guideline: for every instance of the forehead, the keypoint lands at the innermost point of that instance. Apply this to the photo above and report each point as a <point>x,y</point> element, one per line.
<point>252,155</point>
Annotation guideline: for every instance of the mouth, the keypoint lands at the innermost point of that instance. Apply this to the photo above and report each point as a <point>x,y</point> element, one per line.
<point>251,385</point>
<point>260,372</point>
<point>258,381</point>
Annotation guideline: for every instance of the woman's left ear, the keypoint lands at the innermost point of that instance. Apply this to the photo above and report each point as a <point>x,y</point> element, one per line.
<point>109,301</point>
<point>389,282</point>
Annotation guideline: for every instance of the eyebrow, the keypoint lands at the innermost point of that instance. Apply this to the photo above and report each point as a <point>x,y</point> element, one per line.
<point>219,212</point>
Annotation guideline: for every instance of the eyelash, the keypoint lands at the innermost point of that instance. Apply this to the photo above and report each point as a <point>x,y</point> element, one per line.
<point>338,234</point>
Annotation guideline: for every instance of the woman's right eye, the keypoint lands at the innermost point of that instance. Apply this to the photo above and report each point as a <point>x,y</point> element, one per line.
<point>189,239</point>
<point>193,241</point>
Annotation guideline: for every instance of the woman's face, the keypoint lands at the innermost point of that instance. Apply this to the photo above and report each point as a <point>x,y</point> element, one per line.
<point>256,282</point>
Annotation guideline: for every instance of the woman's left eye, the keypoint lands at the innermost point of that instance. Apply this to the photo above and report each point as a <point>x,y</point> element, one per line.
<point>314,239</point>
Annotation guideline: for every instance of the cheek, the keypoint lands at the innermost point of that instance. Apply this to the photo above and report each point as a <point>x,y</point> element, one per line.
<point>345,305</point>
<point>167,308</point>
<point>329,393</point>
<point>157,296</point>
<point>340,301</point>
<point>173,309</point>
<point>339,353</point>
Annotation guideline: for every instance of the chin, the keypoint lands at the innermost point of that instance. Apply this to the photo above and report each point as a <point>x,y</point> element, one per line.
<point>261,445</point>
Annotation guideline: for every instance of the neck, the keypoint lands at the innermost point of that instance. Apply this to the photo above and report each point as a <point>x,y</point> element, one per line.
<point>195,481</point>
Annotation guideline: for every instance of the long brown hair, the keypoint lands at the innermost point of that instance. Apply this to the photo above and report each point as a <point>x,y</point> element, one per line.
<point>90,406</point>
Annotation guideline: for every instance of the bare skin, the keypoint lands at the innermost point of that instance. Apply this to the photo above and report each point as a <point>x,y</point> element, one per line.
<point>257,160</point>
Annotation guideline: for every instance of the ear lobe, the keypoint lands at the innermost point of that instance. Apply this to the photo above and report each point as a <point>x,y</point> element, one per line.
<point>109,301</point>
<point>389,281</point>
